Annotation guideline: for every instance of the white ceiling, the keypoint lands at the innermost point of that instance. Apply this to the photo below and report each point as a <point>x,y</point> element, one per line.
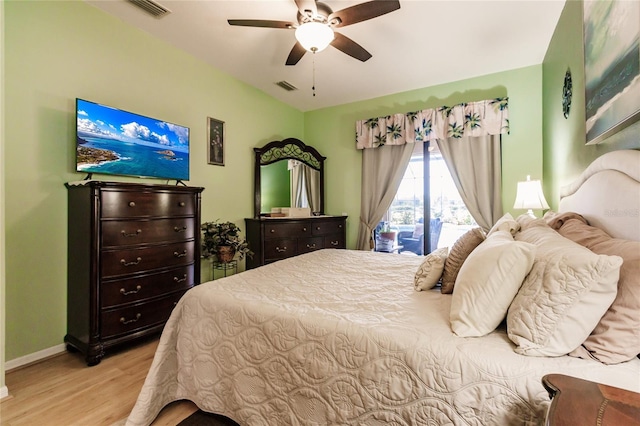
<point>424,43</point>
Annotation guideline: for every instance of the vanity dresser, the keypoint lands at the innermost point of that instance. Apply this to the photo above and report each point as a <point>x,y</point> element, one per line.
<point>273,239</point>
<point>133,251</point>
<point>289,173</point>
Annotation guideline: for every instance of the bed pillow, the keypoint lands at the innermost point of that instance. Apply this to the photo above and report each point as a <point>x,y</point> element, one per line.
<point>505,223</point>
<point>430,270</point>
<point>457,255</point>
<point>564,296</point>
<point>616,338</point>
<point>487,283</point>
<point>557,220</point>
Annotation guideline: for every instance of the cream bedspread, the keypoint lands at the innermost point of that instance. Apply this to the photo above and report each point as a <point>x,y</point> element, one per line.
<point>342,337</point>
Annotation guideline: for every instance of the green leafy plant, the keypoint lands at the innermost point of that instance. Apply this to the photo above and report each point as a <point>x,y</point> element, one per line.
<point>217,234</point>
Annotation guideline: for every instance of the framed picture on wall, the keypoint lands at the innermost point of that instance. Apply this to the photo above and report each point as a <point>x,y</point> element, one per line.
<point>215,136</point>
<point>611,66</point>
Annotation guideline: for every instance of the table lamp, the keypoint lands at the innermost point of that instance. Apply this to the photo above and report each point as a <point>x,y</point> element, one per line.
<point>530,196</point>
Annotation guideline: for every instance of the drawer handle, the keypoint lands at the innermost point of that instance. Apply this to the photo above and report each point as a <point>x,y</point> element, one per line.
<point>181,204</point>
<point>281,250</point>
<point>334,243</point>
<point>179,280</point>
<point>340,226</point>
<point>126,293</point>
<point>317,228</point>
<point>135,262</point>
<point>124,321</point>
<point>132,234</point>
<point>272,231</point>
<point>179,229</point>
<point>132,204</point>
<point>183,254</point>
<point>311,246</point>
<point>304,229</point>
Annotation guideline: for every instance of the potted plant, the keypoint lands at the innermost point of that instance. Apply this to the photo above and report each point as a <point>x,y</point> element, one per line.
<point>223,240</point>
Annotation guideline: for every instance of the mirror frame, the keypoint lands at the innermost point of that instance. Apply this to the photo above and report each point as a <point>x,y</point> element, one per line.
<point>286,149</point>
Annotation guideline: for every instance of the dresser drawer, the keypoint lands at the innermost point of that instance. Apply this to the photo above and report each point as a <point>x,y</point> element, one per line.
<point>128,319</point>
<point>319,227</point>
<point>280,249</point>
<point>129,261</point>
<point>335,241</point>
<point>145,204</point>
<point>306,245</point>
<point>146,286</point>
<point>122,233</point>
<point>284,230</point>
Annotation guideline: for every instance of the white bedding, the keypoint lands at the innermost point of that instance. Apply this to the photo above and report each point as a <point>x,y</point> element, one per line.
<point>342,337</point>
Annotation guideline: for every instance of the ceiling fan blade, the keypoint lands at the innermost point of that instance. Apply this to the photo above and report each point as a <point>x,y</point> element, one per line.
<point>363,11</point>
<point>309,5</point>
<point>262,23</point>
<point>350,47</point>
<point>296,54</point>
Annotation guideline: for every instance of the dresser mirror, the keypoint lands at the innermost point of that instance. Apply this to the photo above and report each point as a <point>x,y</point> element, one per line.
<point>288,173</point>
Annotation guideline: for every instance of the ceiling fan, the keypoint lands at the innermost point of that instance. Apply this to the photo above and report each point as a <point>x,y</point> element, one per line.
<point>316,23</point>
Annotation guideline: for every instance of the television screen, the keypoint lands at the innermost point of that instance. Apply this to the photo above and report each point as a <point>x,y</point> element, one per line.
<point>117,142</point>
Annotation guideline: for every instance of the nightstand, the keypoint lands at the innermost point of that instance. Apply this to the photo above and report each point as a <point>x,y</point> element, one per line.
<point>581,402</point>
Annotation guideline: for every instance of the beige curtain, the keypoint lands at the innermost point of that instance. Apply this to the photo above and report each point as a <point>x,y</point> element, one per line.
<point>476,169</point>
<point>305,186</point>
<point>382,172</point>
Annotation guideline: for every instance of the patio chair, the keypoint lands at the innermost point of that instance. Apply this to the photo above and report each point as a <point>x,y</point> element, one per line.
<point>414,241</point>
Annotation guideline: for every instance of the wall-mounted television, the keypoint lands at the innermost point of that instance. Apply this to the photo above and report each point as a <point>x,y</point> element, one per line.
<point>115,142</point>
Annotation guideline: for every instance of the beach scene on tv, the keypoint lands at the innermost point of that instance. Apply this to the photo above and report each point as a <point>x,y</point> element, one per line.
<point>113,141</point>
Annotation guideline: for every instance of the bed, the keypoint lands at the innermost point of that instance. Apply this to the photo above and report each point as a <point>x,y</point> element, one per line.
<point>342,337</point>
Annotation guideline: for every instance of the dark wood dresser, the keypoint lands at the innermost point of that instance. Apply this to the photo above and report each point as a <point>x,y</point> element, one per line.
<point>133,251</point>
<point>274,239</point>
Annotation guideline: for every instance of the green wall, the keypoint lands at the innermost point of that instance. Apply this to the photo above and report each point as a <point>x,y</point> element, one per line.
<point>565,151</point>
<point>521,149</point>
<point>276,186</point>
<point>57,51</point>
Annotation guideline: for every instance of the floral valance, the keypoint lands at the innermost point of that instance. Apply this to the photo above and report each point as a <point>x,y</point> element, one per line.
<point>489,117</point>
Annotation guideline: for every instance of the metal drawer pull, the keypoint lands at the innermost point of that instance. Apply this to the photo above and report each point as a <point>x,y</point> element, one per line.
<point>125,263</point>
<point>334,243</point>
<point>281,250</point>
<point>132,234</point>
<point>304,229</point>
<point>272,231</point>
<point>126,293</point>
<point>311,246</point>
<point>183,254</point>
<point>179,280</point>
<point>178,229</point>
<point>181,204</point>
<point>132,204</point>
<point>340,226</point>
<point>317,228</point>
<point>124,321</point>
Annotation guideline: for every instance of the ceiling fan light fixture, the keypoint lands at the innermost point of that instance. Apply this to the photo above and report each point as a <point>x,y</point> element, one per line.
<point>314,36</point>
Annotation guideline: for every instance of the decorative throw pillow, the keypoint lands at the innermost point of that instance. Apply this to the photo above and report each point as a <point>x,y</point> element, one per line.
<point>457,255</point>
<point>564,296</point>
<point>430,270</point>
<point>487,283</point>
<point>505,223</point>
<point>616,338</point>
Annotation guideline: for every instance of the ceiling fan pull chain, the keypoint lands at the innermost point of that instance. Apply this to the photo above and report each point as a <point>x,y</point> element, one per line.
<point>313,88</point>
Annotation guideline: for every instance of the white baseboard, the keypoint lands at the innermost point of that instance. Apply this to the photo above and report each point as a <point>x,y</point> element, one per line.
<point>34,357</point>
<point>4,392</point>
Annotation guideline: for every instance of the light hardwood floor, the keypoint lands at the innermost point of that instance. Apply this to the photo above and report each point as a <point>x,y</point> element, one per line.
<point>63,391</point>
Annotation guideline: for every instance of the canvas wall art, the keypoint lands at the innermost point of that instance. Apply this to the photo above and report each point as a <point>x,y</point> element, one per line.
<point>612,66</point>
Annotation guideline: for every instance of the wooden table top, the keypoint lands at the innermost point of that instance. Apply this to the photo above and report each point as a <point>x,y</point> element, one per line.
<point>581,402</point>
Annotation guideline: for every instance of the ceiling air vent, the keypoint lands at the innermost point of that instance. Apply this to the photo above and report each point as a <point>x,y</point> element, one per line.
<point>286,85</point>
<point>151,7</point>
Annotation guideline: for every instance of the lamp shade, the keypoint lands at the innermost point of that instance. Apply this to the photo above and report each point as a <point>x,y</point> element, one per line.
<point>314,36</point>
<point>530,196</point>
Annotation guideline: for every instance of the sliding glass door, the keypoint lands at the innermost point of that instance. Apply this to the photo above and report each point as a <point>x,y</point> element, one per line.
<point>427,212</point>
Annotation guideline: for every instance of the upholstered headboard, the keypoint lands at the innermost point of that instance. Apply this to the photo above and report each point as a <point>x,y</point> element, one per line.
<point>607,194</point>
